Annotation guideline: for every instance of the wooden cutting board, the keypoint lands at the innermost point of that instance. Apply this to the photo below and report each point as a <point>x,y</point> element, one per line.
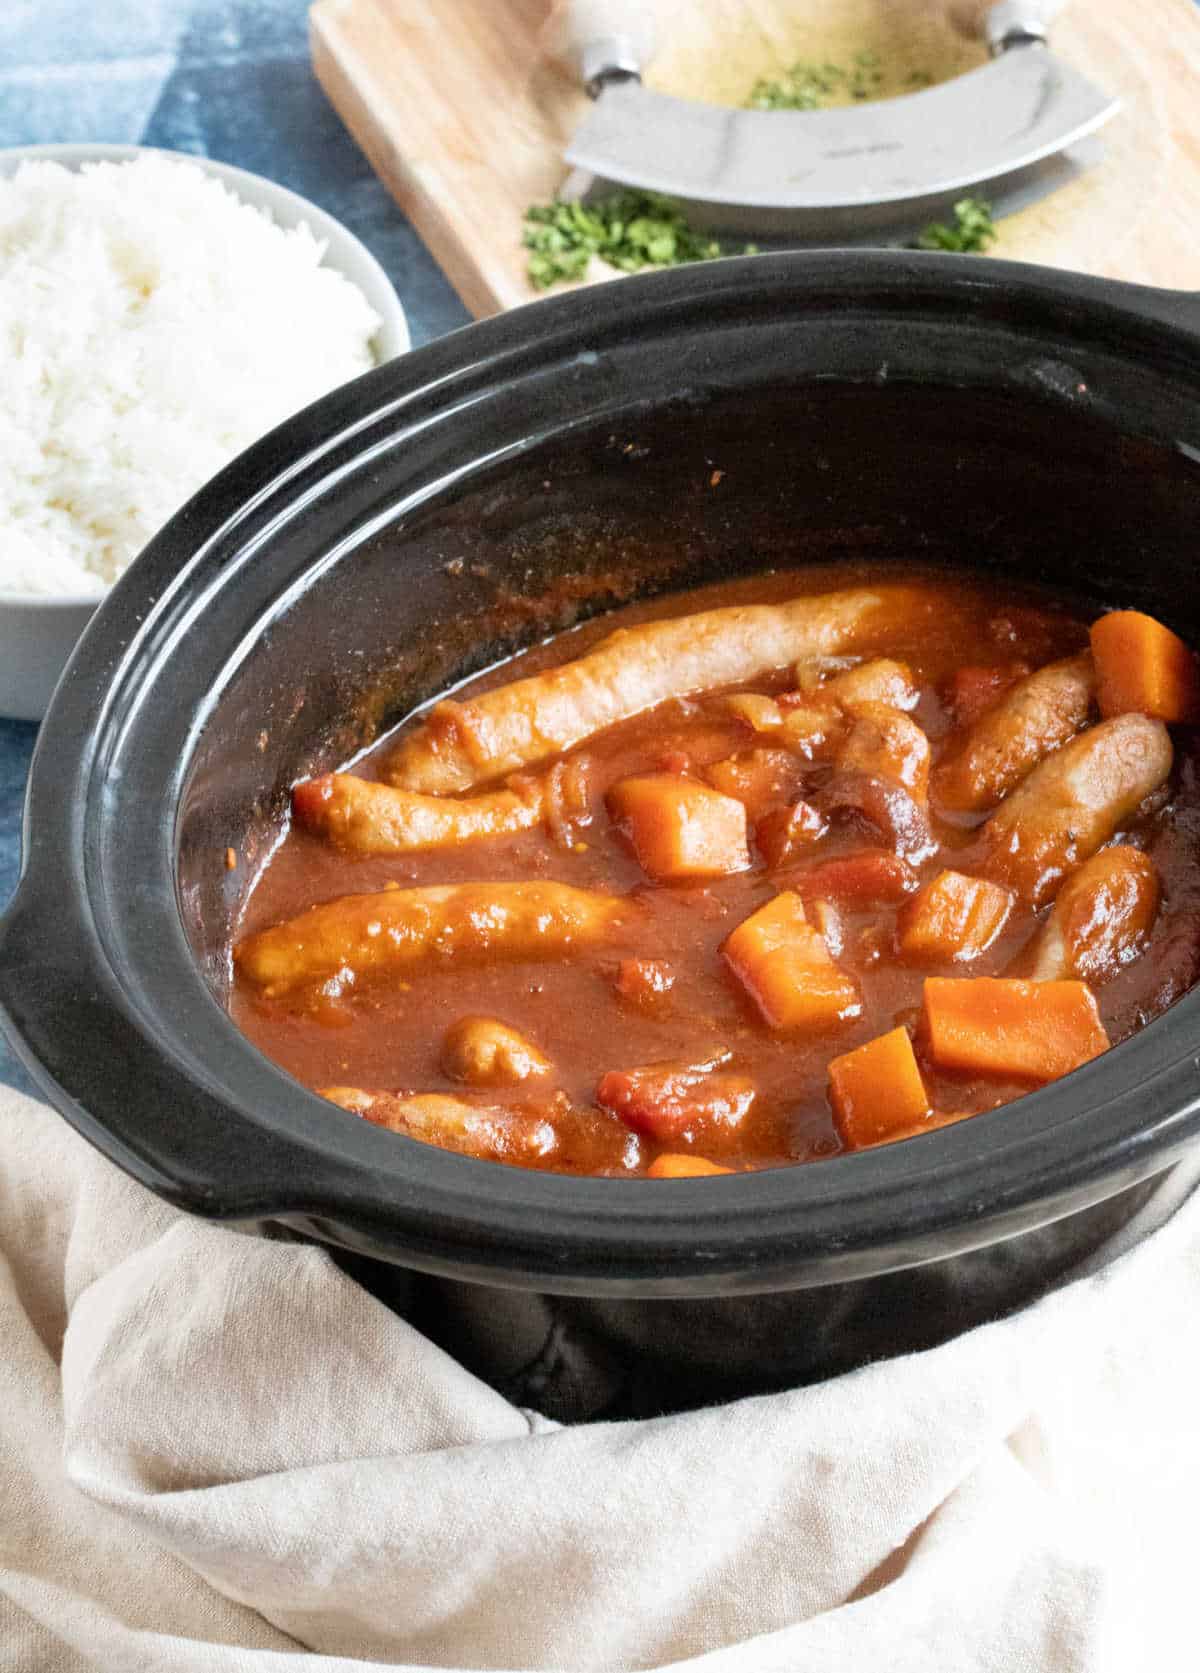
<point>463,109</point>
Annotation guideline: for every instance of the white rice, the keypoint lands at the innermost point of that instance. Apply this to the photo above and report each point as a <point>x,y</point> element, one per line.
<point>151,326</point>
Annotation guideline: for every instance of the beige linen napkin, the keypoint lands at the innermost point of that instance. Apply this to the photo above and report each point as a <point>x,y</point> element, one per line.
<point>218,1452</point>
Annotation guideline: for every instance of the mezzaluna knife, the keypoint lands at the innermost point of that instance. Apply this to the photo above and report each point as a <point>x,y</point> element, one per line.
<point>1014,127</point>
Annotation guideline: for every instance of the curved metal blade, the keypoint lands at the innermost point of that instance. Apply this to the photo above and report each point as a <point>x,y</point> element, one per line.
<point>1023,106</point>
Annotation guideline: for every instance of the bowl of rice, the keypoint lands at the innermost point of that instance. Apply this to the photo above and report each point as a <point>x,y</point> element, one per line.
<point>158,314</point>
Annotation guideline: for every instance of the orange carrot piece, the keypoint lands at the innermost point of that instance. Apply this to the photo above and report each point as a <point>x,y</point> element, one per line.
<point>953,917</point>
<point>1142,666</point>
<point>876,1091</point>
<point>683,1167</point>
<point>785,967</point>
<point>680,828</point>
<point>1032,1031</point>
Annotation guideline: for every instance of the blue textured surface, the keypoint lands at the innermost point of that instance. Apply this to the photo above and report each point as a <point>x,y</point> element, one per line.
<point>228,79</point>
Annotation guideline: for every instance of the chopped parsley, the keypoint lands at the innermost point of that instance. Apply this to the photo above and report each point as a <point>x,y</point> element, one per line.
<point>973,229</point>
<point>629,230</point>
<point>813,86</point>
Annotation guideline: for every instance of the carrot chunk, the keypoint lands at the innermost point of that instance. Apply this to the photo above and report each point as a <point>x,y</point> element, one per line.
<point>680,828</point>
<point>953,917</point>
<point>785,967</point>
<point>1142,666</point>
<point>876,1091</point>
<point>1032,1031</point>
<point>682,1167</point>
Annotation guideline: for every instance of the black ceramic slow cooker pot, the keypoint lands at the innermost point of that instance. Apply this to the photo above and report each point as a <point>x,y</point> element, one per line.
<point>405,532</point>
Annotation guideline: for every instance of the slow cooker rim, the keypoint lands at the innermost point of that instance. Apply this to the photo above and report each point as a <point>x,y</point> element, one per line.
<point>715,1219</point>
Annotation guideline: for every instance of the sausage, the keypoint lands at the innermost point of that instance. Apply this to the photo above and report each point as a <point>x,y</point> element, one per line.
<point>483,1051</point>
<point>1073,803</point>
<point>363,817</point>
<point>394,931</point>
<point>1100,920</point>
<point>490,1132</point>
<point>518,725</point>
<point>1029,723</point>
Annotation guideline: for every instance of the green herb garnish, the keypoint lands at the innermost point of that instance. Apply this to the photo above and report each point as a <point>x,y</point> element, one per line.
<point>628,230</point>
<point>808,86</point>
<point>973,229</point>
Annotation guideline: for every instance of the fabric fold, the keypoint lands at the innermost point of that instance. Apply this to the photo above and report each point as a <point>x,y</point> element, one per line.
<point>220,1451</point>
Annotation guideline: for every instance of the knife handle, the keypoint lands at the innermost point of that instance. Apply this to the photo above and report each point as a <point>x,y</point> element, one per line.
<point>1017,22</point>
<point>608,40</point>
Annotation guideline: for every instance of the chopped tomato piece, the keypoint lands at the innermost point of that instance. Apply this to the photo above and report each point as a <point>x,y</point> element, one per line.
<point>644,981</point>
<point>953,917</point>
<point>972,691</point>
<point>666,1101</point>
<point>786,832</point>
<point>786,968</point>
<point>1141,666</point>
<point>872,878</point>
<point>876,1091</point>
<point>669,1166</point>
<point>679,827</point>
<point>1032,1031</point>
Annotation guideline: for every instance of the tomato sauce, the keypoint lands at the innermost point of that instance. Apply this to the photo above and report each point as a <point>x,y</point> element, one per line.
<point>658,990</point>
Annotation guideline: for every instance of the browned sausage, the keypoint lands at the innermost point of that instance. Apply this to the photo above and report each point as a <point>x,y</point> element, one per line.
<point>1100,920</point>
<point>518,725</point>
<point>1073,803</point>
<point>491,1132</point>
<point>364,817</point>
<point>358,936</point>
<point>1004,746</point>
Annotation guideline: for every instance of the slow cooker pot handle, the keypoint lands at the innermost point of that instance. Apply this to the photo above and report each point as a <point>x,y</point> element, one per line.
<point>75,1029</point>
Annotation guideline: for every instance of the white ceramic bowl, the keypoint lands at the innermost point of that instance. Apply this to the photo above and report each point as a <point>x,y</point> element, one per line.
<point>37,632</point>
